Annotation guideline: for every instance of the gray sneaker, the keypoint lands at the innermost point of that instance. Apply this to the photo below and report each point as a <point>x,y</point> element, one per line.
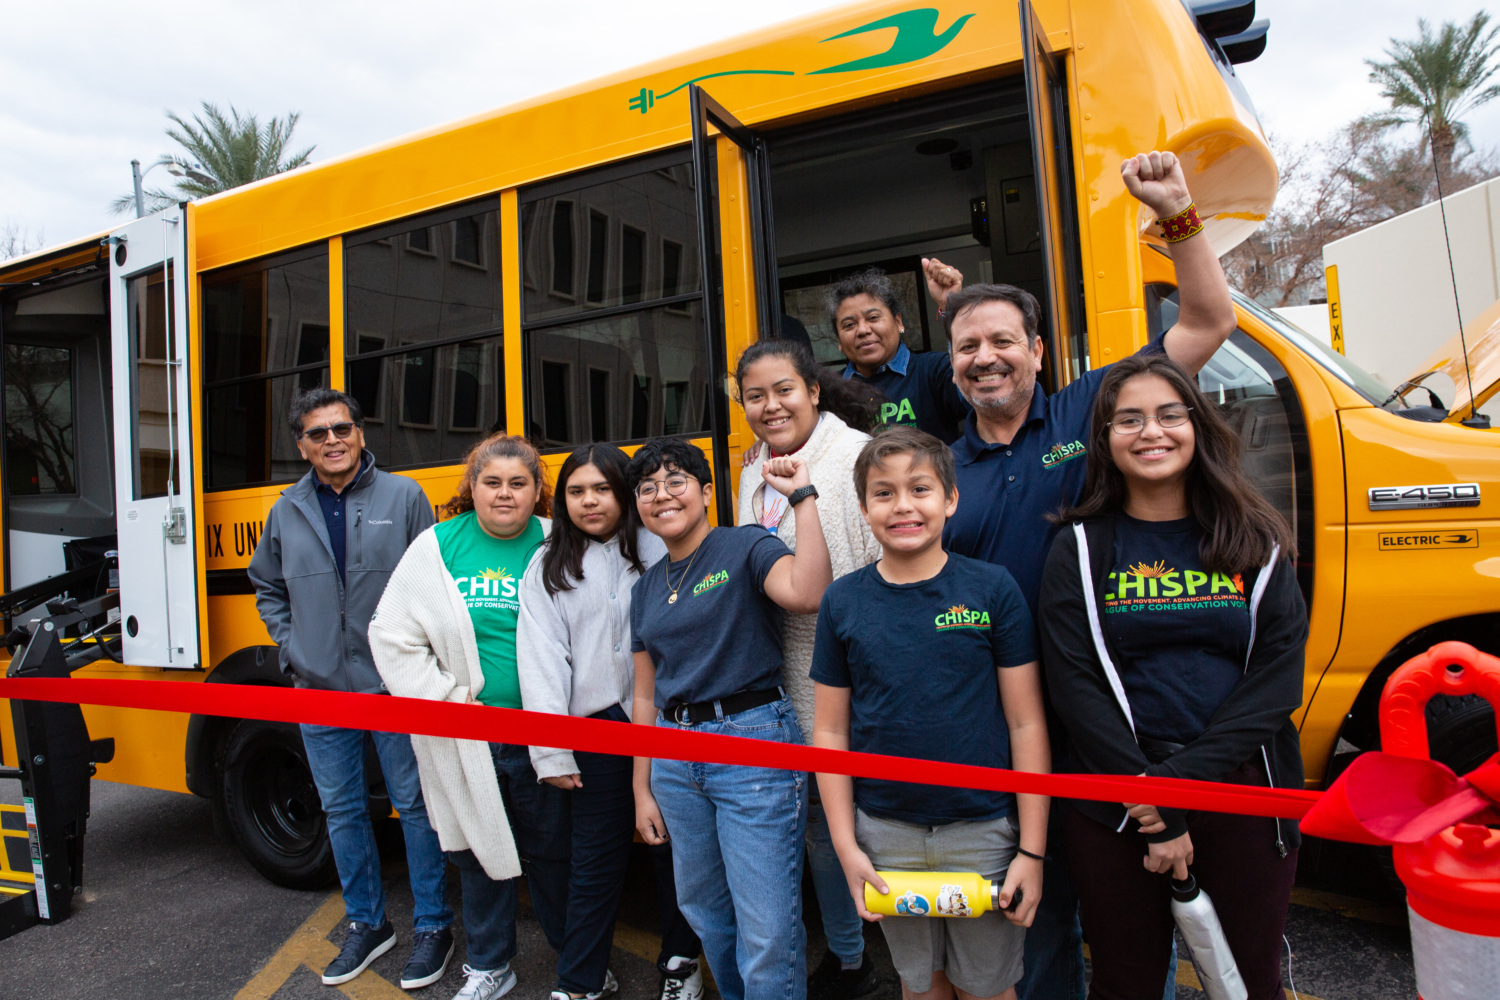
<point>483,985</point>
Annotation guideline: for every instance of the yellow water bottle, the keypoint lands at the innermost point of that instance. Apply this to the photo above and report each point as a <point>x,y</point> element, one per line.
<point>933,894</point>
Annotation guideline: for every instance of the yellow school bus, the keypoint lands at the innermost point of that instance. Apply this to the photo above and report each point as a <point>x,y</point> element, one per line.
<point>587,264</point>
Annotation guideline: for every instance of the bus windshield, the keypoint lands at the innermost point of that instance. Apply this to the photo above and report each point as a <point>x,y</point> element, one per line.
<point>1348,372</point>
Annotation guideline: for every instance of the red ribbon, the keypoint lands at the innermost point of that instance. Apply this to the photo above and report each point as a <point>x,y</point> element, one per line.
<point>1390,799</point>
<point>384,713</point>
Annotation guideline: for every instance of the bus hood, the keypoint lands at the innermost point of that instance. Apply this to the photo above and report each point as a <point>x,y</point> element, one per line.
<point>1482,336</point>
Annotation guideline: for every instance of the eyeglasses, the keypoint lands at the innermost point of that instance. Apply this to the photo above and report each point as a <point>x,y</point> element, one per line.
<point>317,435</point>
<point>675,485</point>
<point>1134,423</point>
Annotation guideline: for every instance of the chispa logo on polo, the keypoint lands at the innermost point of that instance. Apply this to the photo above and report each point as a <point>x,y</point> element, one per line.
<point>711,581</point>
<point>959,616</point>
<point>898,413</point>
<point>1060,453</point>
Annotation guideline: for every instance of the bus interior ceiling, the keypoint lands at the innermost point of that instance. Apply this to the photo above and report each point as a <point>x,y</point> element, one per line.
<point>949,176</point>
<point>58,458</point>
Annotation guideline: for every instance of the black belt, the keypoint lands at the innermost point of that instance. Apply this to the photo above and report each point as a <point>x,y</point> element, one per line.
<point>1157,751</point>
<point>691,713</point>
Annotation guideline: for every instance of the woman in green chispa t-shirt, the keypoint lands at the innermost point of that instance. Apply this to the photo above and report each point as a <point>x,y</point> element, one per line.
<point>427,646</point>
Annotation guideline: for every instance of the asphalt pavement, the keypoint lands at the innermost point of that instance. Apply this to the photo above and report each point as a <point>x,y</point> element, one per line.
<point>170,910</point>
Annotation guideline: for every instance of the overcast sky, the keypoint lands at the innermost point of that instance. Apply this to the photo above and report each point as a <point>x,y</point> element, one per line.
<point>86,82</point>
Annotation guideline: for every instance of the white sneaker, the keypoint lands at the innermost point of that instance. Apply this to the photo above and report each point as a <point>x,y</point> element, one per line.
<point>483,985</point>
<point>681,979</point>
<point>611,987</point>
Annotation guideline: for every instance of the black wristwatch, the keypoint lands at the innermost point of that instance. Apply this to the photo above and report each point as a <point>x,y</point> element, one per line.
<point>799,495</point>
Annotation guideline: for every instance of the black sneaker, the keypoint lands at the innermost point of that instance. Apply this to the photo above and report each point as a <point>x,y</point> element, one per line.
<point>831,981</point>
<point>429,959</point>
<point>363,945</point>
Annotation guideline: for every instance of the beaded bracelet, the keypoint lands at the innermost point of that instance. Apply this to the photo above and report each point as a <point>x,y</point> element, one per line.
<point>1185,224</point>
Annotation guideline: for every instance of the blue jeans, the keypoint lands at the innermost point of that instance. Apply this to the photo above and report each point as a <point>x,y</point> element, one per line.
<point>539,817</point>
<point>1054,942</point>
<point>337,760</point>
<point>737,839</point>
<point>841,923</point>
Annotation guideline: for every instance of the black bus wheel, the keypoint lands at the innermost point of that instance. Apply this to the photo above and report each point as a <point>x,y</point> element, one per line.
<point>272,807</point>
<point>1461,731</point>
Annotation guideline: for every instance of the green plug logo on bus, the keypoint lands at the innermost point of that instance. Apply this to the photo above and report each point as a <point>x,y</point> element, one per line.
<point>916,38</point>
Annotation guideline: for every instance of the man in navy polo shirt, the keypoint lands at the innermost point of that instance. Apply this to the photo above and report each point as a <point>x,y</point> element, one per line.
<point>919,389</point>
<point>1022,456</point>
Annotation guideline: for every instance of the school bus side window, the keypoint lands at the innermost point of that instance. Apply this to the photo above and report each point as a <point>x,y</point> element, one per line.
<point>628,357</point>
<point>265,337</point>
<point>423,333</point>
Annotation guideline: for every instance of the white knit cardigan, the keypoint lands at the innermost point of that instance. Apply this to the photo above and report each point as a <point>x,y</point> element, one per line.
<point>830,455</point>
<point>424,647</point>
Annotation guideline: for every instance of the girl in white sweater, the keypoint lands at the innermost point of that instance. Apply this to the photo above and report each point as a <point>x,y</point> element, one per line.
<point>797,406</point>
<point>573,656</point>
<point>445,630</point>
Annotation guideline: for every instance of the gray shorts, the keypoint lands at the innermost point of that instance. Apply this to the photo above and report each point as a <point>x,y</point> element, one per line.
<point>980,955</point>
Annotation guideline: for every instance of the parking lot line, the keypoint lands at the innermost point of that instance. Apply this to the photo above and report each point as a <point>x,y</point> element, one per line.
<point>309,945</point>
<point>1389,914</point>
<point>279,968</point>
<point>1188,976</point>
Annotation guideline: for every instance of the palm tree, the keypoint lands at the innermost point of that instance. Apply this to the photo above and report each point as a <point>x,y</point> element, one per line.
<point>223,152</point>
<point>1435,80</point>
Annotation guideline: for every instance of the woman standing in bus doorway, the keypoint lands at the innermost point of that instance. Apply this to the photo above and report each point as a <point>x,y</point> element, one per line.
<point>573,656</point>
<point>798,407</point>
<point>446,630</point>
<point>1172,633</point>
<point>705,630</point>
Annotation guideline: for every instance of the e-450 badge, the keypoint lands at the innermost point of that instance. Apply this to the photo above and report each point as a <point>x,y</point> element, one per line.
<point>1424,497</point>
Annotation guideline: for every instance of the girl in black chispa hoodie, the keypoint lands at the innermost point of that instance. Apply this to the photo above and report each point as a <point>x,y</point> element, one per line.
<point>1172,633</point>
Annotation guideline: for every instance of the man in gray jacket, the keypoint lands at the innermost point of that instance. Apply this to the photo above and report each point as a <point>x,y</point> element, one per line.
<point>327,550</point>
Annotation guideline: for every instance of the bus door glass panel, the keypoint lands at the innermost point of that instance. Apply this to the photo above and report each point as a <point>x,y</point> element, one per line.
<point>1052,157</point>
<point>612,305</point>
<point>155,521</point>
<point>153,392</point>
<point>711,121</point>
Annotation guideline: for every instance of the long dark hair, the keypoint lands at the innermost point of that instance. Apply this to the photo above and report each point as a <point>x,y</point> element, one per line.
<point>495,446</point>
<point>1240,526</point>
<point>562,561</point>
<point>854,402</point>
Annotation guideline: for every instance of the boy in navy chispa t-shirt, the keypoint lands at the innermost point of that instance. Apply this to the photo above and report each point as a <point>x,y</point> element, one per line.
<point>930,655</point>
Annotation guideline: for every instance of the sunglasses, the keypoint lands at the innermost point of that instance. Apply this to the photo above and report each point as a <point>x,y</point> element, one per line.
<point>317,435</point>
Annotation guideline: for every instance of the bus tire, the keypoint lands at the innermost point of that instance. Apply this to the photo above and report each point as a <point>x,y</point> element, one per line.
<point>1461,731</point>
<point>271,805</point>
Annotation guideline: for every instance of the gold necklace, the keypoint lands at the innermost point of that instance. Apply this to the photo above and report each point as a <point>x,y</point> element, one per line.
<point>672,598</point>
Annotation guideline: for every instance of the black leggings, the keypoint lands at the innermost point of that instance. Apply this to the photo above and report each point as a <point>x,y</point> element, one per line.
<point>1126,910</point>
